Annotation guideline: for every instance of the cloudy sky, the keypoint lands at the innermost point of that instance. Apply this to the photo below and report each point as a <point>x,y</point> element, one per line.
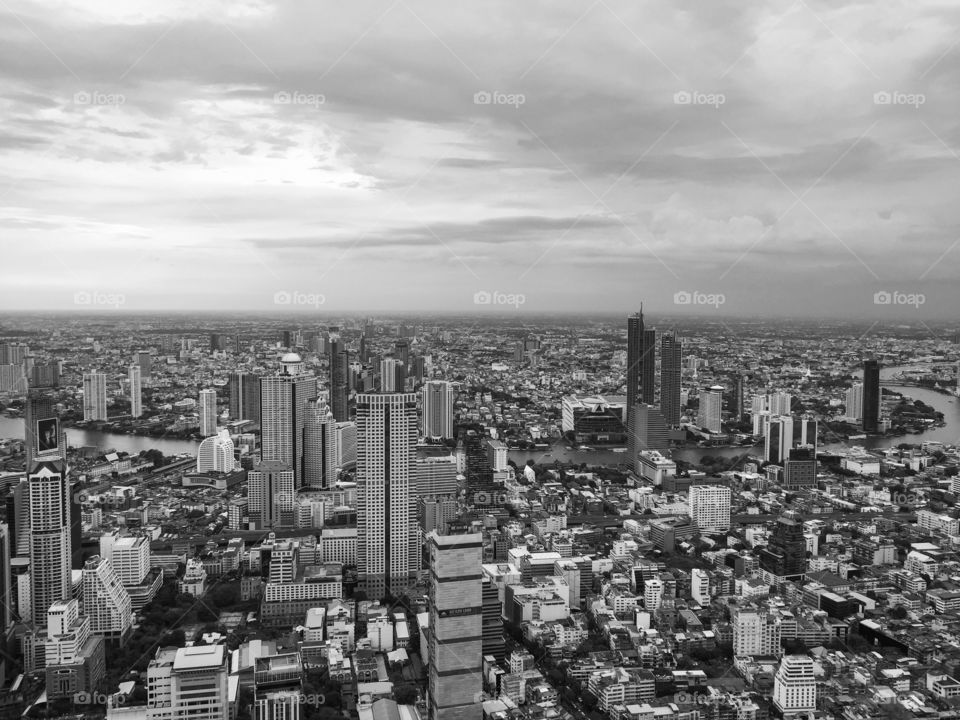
<point>779,157</point>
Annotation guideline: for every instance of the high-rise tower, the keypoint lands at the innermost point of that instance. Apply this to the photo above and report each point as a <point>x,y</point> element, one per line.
<point>283,412</point>
<point>136,397</point>
<point>339,378</point>
<point>319,445</point>
<point>50,552</point>
<point>671,353</point>
<point>871,395</point>
<point>438,409</point>
<point>94,396</point>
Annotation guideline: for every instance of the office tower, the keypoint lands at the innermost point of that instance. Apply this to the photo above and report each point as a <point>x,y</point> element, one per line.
<point>419,369</point>
<point>136,398</point>
<point>438,410</point>
<point>94,396</point>
<point>7,594</point>
<point>283,412</point>
<point>271,494</point>
<point>362,353</point>
<point>129,556</point>
<point>778,439</point>
<point>785,555</point>
<point>641,362</point>
<point>12,379</point>
<point>208,412</point>
<point>190,682</point>
<point>286,339</point>
<point>387,551</point>
<point>737,407</point>
<point>671,358</point>
<point>779,403</point>
<point>145,360</point>
<point>871,396</point>
<point>795,685</point>
<point>13,354</point>
<point>800,469</point>
<point>43,434</point>
<point>50,551</point>
<point>402,351</point>
<point>492,642</point>
<point>105,601</point>
<point>436,477</point>
<point>392,375</point>
<point>319,445</point>
<point>339,381</point>
<point>700,586</point>
<point>479,469</point>
<point>216,342</point>
<point>244,396</point>
<point>755,632</point>
<point>45,375</point>
<point>455,640</point>
<point>649,431</point>
<point>710,507</point>
<point>711,404</point>
<point>346,434</point>
<point>215,454</point>
<point>854,402</point>
<point>74,656</point>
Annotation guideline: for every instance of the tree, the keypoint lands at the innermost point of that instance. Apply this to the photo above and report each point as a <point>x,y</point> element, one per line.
<point>405,694</point>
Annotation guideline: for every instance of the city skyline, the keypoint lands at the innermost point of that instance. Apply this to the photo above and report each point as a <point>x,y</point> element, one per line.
<point>789,158</point>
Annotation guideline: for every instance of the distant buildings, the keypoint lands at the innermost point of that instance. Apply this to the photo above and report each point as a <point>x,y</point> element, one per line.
<point>671,361</point>
<point>136,397</point>
<point>94,396</point>
<point>207,407</point>
<point>438,396</point>
<point>243,391</point>
<point>785,556</point>
<point>711,404</point>
<point>854,402</point>
<point>871,396</point>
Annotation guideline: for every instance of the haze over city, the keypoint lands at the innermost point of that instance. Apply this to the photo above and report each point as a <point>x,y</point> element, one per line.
<point>792,158</point>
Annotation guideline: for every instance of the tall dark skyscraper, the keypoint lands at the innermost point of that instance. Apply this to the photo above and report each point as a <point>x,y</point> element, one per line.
<point>641,362</point>
<point>243,390</point>
<point>737,408</point>
<point>40,420</point>
<point>671,358</point>
<point>871,395</point>
<point>785,556</point>
<point>339,377</point>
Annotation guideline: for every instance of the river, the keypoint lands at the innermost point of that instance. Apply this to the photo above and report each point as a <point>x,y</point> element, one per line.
<point>947,404</point>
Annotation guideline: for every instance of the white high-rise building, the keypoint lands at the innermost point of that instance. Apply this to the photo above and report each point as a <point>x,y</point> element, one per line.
<point>779,403</point>
<point>778,439</point>
<point>438,398</point>
<point>94,396</point>
<point>283,402</point>
<point>346,445</point>
<point>129,556</point>
<point>215,454</point>
<point>652,594</point>
<point>756,632</point>
<point>854,402</point>
<point>67,633</point>
<point>50,551</point>
<point>710,507</point>
<point>391,375</point>
<point>700,586</point>
<point>136,391</point>
<point>207,407</point>
<point>105,600</point>
<point>760,418</point>
<point>319,445</point>
<point>189,682</point>
<point>388,547</point>
<point>271,494</point>
<point>711,404</point>
<point>795,685</point>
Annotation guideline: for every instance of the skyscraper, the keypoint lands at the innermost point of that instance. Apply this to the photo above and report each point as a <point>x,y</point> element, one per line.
<point>778,439</point>
<point>795,685</point>
<point>50,552</point>
<point>710,507</point>
<point>854,402</point>
<point>283,412</point>
<point>785,556</point>
<point>319,445</point>
<point>649,431</point>
<point>244,396</point>
<point>438,410</point>
<point>456,627</point>
<point>94,396</point>
<point>871,395</point>
<point>641,362</point>
<point>215,453</point>
<point>737,403</point>
<point>711,403</point>
<point>387,548</point>
<point>208,412</point>
<point>392,375</point>
<point>339,379</point>
<point>271,494</point>
<point>136,398</point>
<point>671,358</point>
<point>145,360</point>
<point>43,434</point>
<point>105,601</point>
